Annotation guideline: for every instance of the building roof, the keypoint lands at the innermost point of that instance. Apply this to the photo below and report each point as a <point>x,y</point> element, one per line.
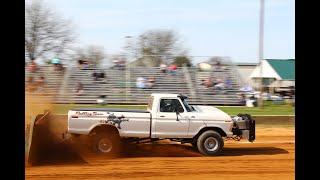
<point>246,64</point>
<point>284,67</point>
<point>267,71</point>
<point>280,69</point>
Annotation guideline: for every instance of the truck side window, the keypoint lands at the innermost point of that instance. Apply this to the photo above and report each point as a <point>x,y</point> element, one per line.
<point>169,105</point>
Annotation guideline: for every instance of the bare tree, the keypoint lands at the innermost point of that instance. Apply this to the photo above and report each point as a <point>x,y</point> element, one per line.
<point>45,32</point>
<point>160,45</point>
<point>92,53</point>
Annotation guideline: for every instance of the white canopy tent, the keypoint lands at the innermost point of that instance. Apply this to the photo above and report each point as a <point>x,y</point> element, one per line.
<point>267,71</point>
<point>274,82</point>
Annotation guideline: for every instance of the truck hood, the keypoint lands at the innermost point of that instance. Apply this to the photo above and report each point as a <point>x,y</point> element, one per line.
<point>212,113</point>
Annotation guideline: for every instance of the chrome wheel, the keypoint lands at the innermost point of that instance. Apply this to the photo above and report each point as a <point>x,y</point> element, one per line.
<point>105,145</point>
<point>211,144</point>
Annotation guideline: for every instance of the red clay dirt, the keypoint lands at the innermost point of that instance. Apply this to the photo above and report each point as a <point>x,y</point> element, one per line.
<point>270,156</point>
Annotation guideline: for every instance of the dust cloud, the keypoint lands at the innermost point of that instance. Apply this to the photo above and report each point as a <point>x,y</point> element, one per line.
<point>36,104</point>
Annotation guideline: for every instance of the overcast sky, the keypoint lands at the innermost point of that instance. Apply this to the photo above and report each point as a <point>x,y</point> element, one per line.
<point>207,27</point>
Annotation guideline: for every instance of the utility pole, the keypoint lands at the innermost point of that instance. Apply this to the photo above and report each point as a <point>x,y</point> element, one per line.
<point>127,68</point>
<point>261,23</point>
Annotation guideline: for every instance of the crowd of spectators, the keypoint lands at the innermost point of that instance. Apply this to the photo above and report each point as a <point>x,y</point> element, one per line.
<point>172,68</point>
<point>213,83</point>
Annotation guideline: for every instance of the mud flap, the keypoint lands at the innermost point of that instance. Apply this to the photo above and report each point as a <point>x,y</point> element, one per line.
<point>252,131</point>
<point>252,128</point>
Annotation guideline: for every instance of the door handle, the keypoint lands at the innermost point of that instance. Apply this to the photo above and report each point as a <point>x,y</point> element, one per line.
<point>193,117</point>
<point>161,116</point>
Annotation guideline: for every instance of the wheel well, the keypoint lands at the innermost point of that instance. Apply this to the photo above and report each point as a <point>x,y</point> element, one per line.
<point>219,130</point>
<point>104,128</point>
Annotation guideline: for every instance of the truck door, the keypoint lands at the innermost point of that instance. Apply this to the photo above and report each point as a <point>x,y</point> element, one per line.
<point>169,124</point>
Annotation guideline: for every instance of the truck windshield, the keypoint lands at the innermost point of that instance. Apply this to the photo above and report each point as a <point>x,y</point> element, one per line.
<point>188,107</point>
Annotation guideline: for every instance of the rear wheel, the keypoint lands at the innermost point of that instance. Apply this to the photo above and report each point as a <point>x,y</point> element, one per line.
<point>210,143</point>
<point>106,144</point>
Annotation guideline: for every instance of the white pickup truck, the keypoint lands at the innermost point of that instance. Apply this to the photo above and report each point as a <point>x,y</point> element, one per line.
<point>168,116</point>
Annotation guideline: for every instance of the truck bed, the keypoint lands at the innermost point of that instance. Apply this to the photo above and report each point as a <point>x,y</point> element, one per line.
<point>111,110</point>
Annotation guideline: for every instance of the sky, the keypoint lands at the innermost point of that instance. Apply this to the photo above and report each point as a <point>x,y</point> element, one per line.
<point>206,27</point>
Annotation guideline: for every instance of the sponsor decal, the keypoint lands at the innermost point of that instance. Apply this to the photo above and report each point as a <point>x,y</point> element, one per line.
<point>86,113</point>
<point>114,120</point>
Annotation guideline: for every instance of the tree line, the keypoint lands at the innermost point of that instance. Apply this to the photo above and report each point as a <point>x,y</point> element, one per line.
<point>48,35</point>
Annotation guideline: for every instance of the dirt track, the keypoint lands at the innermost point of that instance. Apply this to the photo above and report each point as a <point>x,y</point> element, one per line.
<point>271,156</point>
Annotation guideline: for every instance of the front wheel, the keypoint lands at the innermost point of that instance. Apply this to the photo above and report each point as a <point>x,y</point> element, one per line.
<point>106,144</point>
<point>210,143</point>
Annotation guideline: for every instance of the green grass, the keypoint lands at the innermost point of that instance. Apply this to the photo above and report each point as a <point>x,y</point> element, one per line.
<point>269,108</point>
<point>275,126</point>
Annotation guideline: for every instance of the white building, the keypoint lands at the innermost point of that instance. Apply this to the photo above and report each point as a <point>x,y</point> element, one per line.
<point>277,75</point>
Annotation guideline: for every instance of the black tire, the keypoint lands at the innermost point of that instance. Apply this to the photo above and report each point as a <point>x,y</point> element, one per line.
<point>210,143</point>
<point>106,144</point>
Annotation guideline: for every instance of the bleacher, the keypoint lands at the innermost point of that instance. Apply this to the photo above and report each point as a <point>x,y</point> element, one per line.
<point>52,85</point>
<point>217,97</point>
<point>119,86</point>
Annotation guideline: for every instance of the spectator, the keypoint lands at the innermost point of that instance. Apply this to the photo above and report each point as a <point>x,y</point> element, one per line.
<point>228,83</point>
<point>208,83</point>
<point>151,82</point>
<point>56,64</point>
<point>219,86</point>
<point>214,81</point>
<point>163,67</point>
<point>79,89</point>
<point>33,67</point>
<point>85,65</point>
<point>61,68</point>
<point>98,76</point>
<point>173,68</point>
<point>141,82</point>
<point>90,65</point>
<point>203,83</point>
<point>243,99</point>
<point>95,76</point>
<point>80,63</point>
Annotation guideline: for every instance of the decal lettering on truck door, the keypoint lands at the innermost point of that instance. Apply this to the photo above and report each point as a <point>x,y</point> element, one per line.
<point>114,120</point>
